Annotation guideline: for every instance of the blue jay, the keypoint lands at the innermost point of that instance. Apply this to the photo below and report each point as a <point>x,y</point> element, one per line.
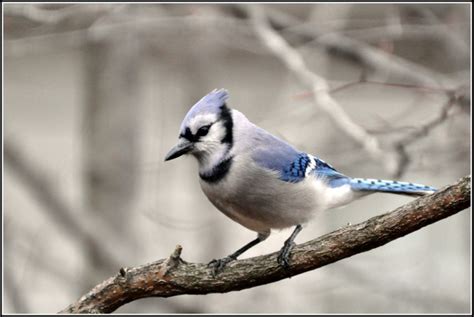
<point>262,182</point>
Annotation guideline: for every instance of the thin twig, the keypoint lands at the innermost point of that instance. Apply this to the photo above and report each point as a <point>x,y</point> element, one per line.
<point>395,158</point>
<point>438,32</point>
<point>423,129</point>
<point>319,87</point>
<point>362,81</point>
<point>418,132</point>
<point>368,56</point>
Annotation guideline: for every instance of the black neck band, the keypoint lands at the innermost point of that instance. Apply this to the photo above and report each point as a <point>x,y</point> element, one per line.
<point>218,172</point>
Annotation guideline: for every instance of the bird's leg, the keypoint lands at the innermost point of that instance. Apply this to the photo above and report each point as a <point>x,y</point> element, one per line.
<point>219,264</point>
<point>284,256</point>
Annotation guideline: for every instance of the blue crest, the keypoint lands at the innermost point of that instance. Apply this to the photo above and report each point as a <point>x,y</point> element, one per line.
<point>210,103</point>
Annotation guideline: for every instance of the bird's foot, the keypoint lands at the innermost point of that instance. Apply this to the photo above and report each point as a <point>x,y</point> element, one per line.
<point>284,255</point>
<point>218,265</point>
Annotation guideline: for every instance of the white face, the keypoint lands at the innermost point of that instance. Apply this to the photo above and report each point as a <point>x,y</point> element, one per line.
<point>207,134</point>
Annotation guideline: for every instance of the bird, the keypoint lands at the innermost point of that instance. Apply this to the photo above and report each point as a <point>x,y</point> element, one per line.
<point>261,181</point>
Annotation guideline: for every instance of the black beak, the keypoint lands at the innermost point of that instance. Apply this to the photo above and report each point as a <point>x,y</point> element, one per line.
<point>183,147</point>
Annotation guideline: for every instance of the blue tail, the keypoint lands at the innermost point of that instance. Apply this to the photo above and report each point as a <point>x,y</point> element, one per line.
<point>393,187</point>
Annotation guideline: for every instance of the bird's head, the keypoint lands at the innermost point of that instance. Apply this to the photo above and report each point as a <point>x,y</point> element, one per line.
<point>206,130</point>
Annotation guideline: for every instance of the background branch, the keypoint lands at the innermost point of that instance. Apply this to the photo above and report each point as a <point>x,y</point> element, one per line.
<point>320,89</point>
<point>173,276</point>
<point>58,210</point>
<point>352,49</point>
<point>394,158</point>
<point>421,131</point>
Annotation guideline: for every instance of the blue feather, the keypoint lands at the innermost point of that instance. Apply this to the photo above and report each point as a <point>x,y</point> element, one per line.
<point>294,166</point>
<point>272,153</point>
<point>388,186</point>
<point>302,167</point>
<point>295,171</point>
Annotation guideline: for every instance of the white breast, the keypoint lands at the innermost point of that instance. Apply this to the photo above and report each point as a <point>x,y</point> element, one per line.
<point>258,200</point>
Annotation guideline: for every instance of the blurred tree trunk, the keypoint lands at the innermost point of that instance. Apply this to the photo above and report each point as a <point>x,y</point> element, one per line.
<point>111,132</point>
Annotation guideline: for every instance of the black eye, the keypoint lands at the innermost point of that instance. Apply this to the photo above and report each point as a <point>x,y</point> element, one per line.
<point>203,130</point>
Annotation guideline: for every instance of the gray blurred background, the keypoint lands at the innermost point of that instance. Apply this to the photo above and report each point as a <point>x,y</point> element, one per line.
<point>93,98</point>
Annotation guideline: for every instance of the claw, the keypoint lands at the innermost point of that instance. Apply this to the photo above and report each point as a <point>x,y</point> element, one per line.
<point>219,264</point>
<point>284,256</point>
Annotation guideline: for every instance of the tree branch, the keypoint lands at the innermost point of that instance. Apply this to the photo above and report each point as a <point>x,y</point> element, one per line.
<point>173,276</point>
<point>319,88</point>
<point>369,57</point>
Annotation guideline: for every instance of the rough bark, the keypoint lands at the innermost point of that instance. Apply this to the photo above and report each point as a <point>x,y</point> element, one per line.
<point>173,276</point>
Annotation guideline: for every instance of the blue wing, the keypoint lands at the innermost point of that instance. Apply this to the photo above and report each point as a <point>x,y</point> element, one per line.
<point>293,166</point>
<point>330,174</point>
<point>272,153</point>
<point>307,165</point>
